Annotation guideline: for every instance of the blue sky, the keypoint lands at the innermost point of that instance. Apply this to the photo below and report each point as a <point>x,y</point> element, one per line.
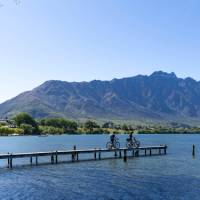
<point>82,40</point>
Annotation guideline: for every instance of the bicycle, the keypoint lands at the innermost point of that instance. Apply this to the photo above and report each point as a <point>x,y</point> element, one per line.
<point>115,144</point>
<point>132,144</point>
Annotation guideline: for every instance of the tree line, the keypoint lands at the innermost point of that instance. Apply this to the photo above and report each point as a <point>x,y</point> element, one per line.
<point>24,124</point>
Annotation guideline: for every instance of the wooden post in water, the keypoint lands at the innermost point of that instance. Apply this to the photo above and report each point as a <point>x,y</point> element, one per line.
<point>165,150</point>
<point>8,160</point>
<point>77,157</point>
<point>120,153</point>
<point>74,154</point>
<point>36,160</point>
<point>133,153</point>
<point>95,154</point>
<point>160,151</point>
<point>52,159</point>
<point>125,155</point>
<point>145,152</point>
<point>137,153</point>
<point>11,161</point>
<point>99,154</point>
<point>150,153</point>
<point>31,160</point>
<point>56,157</point>
<point>115,153</point>
<point>193,150</point>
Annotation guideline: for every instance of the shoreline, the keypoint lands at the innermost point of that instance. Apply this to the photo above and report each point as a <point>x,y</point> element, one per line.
<point>76,134</point>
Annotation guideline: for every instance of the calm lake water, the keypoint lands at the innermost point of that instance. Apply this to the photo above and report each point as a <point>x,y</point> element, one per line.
<point>174,176</point>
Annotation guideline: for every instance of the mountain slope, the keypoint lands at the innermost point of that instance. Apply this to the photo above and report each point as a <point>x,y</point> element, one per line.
<point>160,96</point>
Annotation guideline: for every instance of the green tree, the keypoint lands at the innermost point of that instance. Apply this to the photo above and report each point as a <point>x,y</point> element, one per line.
<point>66,125</point>
<point>125,127</point>
<point>6,131</point>
<point>108,125</point>
<point>90,125</point>
<point>28,129</point>
<point>24,120</point>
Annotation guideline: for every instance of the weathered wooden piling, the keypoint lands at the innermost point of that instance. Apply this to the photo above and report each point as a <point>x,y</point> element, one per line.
<point>8,160</point>
<point>120,153</point>
<point>52,159</point>
<point>56,157</point>
<point>77,156</point>
<point>193,150</point>
<point>11,160</point>
<point>159,151</point>
<point>133,152</point>
<point>95,154</point>
<point>165,149</point>
<point>125,155</point>
<point>137,153</point>
<point>99,154</point>
<point>74,153</point>
<point>115,153</point>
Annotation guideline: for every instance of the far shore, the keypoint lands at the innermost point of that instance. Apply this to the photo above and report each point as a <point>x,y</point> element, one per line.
<point>24,124</point>
<point>121,133</point>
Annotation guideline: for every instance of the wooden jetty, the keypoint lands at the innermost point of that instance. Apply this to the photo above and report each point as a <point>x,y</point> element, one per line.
<point>76,155</point>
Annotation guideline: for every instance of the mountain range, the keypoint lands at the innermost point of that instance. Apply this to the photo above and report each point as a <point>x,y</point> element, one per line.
<point>159,97</point>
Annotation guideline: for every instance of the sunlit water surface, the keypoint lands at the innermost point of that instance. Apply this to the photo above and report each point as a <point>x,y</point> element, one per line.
<point>174,176</point>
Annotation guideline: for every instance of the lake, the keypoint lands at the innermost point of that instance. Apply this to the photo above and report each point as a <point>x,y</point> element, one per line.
<point>174,176</point>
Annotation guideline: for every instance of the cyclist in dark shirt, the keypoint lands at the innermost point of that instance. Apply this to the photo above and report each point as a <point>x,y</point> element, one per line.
<point>131,136</point>
<point>112,138</point>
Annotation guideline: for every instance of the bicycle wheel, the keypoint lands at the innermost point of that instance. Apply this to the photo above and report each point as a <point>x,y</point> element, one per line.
<point>109,145</point>
<point>128,145</point>
<point>117,145</point>
<point>134,145</point>
<point>137,143</point>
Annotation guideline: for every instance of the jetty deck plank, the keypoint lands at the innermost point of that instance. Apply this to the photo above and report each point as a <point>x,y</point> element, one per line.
<point>75,153</point>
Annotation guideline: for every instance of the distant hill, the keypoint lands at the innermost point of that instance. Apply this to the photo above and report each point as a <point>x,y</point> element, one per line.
<point>158,97</point>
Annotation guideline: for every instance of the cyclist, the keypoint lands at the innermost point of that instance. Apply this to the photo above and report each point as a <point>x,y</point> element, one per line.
<point>130,138</point>
<point>132,142</point>
<point>113,143</point>
<point>112,138</point>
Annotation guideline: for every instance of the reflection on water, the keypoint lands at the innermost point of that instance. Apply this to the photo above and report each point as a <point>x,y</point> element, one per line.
<point>175,176</point>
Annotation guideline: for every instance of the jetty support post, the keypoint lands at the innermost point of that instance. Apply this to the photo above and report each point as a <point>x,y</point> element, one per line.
<point>56,157</point>
<point>125,155</point>
<point>165,150</point>
<point>193,150</point>
<point>159,151</point>
<point>77,156</point>
<point>74,154</point>
<point>99,154</point>
<point>95,154</point>
<point>120,153</point>
<point>115,153</point>
<point>145,152</point>
<point>133,152</point>
<point>11,161</point>
<point>36,160</point>
<point>31,160</point>
<point>8,160</point>
<point>150,152</point>
<point>137,153</point>
<point>52,158</point>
